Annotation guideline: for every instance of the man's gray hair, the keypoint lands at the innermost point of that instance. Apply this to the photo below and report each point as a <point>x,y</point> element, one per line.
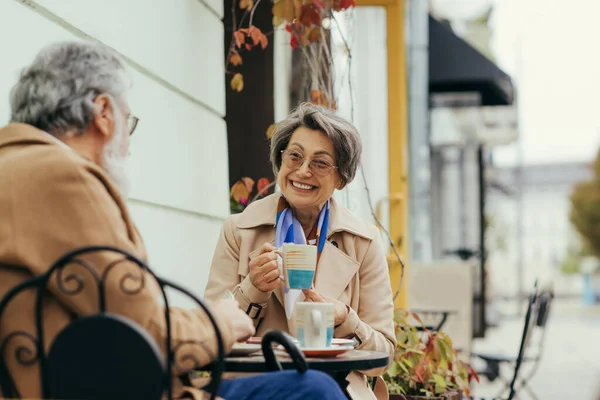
<point>56,92</point>
<point>344,136</point>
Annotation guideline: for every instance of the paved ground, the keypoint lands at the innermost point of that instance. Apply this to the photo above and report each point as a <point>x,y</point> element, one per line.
<point>570,366</point>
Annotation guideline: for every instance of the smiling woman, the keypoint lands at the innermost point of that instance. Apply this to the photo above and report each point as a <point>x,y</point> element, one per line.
<point>313,152</point>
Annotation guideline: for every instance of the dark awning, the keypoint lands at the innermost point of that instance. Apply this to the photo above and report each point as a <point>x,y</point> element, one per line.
<point>455,66</point>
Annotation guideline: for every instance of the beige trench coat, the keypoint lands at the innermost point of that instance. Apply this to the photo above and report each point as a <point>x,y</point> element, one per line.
<point>352,268</point>
<point>53,201</point>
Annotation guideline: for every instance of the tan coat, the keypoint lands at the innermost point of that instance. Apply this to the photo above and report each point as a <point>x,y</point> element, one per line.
<point>52,201</point>
<point>352,268</point>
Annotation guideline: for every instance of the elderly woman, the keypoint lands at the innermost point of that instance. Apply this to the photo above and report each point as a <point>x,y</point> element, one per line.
<point>313,152</point>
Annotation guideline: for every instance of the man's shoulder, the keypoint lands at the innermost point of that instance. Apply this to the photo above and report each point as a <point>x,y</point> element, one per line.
<point>42,162</point>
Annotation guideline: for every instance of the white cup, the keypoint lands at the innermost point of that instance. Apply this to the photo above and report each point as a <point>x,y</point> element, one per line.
<point>314,323</point>
<point>299,262</point>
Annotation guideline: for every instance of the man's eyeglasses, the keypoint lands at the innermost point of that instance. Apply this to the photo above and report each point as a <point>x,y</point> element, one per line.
<point>294,160</point>
<point>132,122</point>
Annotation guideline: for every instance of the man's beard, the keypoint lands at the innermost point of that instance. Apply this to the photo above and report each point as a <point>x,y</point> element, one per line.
<point>114,161</point>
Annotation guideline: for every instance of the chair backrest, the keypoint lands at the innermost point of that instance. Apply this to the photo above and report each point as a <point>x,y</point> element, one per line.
<point>122,353</point>
<point>530,320</point>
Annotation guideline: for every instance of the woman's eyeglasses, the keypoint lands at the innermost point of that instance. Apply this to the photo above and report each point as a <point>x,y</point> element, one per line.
<point>294,160</point>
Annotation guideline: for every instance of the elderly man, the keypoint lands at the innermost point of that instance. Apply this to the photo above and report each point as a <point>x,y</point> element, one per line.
<point>63,186</point>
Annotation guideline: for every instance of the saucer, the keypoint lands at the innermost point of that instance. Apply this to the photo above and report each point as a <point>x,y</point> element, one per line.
<point>244,349</point>
<point>332,351</point>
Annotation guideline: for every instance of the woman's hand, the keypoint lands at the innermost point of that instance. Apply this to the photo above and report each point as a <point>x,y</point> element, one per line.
<point>340,309</point>
<point>264,269</point>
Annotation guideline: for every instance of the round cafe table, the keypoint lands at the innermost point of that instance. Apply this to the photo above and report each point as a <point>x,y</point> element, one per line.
<point>338,367</point>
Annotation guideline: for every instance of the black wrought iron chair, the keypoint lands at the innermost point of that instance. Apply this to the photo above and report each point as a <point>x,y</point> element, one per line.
<point>492,371</point>
<point>103,355</point>
<point>428,316</point>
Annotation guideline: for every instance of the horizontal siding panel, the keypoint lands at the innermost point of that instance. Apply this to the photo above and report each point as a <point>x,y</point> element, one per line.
<point>181,41</point>
<point>179,152</point>
<point>180,246</point>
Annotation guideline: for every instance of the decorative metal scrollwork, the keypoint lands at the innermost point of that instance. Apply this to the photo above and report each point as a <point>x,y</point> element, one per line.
<point>138,279</point>
<point>189,362</point>
<point>23,354</point>
<point>63,281</point>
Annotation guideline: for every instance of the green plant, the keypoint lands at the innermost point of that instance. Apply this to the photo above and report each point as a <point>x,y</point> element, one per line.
<point>425,363</point>
<point>242,192</point>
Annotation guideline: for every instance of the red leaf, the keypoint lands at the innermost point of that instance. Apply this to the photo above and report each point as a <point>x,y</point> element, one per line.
<point>248,46</point>
<point>262,183</point>
<point>319,3</point>
<point>294,42</point>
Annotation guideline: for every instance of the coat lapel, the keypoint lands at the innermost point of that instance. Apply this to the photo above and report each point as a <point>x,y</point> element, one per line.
<point>334,272</point>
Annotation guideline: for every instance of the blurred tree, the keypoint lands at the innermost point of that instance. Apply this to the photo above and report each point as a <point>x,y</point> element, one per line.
<point>585,210</point>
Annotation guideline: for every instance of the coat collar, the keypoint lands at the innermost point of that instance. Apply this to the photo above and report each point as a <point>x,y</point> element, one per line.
<point>264,212</point>
<point>18,133</point>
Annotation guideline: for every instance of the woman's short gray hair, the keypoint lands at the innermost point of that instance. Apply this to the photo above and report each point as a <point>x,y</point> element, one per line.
<point>344,136</point>
<point>56,92</point>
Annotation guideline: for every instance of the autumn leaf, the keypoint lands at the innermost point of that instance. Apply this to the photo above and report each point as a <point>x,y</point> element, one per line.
<point>240,37</point>
<point>246,4</point>
<point>263,42</point>
<point>262,184</point>
<point>270,131</point>
<point>314,35</point>
<point>277,21</point>
<point>310,15</point>
<point>235,59</point>
<point>239,191</point>
<point>237,82</point>
<point>249,182</point>
<point>248,46</point>
<point>284,9</point>
<point>297,7</point>
<point>294,42</point>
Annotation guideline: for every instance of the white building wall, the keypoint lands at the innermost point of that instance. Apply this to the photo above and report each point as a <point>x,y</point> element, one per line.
<point>179,165</point>
<point>366,37</point>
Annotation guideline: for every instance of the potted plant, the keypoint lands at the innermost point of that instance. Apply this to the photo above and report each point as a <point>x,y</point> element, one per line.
<point>425,365</point>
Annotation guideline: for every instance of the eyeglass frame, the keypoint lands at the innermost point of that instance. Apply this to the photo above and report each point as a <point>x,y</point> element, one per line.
<point>330,168</point>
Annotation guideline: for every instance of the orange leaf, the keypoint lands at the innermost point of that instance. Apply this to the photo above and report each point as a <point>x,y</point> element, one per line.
<point>297,8</point>
<point>235,59</point>
<point>270,131</point>
<point>284,10</point>
<point>239,191</point>
<point>314,35</point>
<point>249,182</point>
<point>240,37</point>
<point>254,34</point>
<point>264,42</point>
<point>237,82</point>
<point>246,4</point>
